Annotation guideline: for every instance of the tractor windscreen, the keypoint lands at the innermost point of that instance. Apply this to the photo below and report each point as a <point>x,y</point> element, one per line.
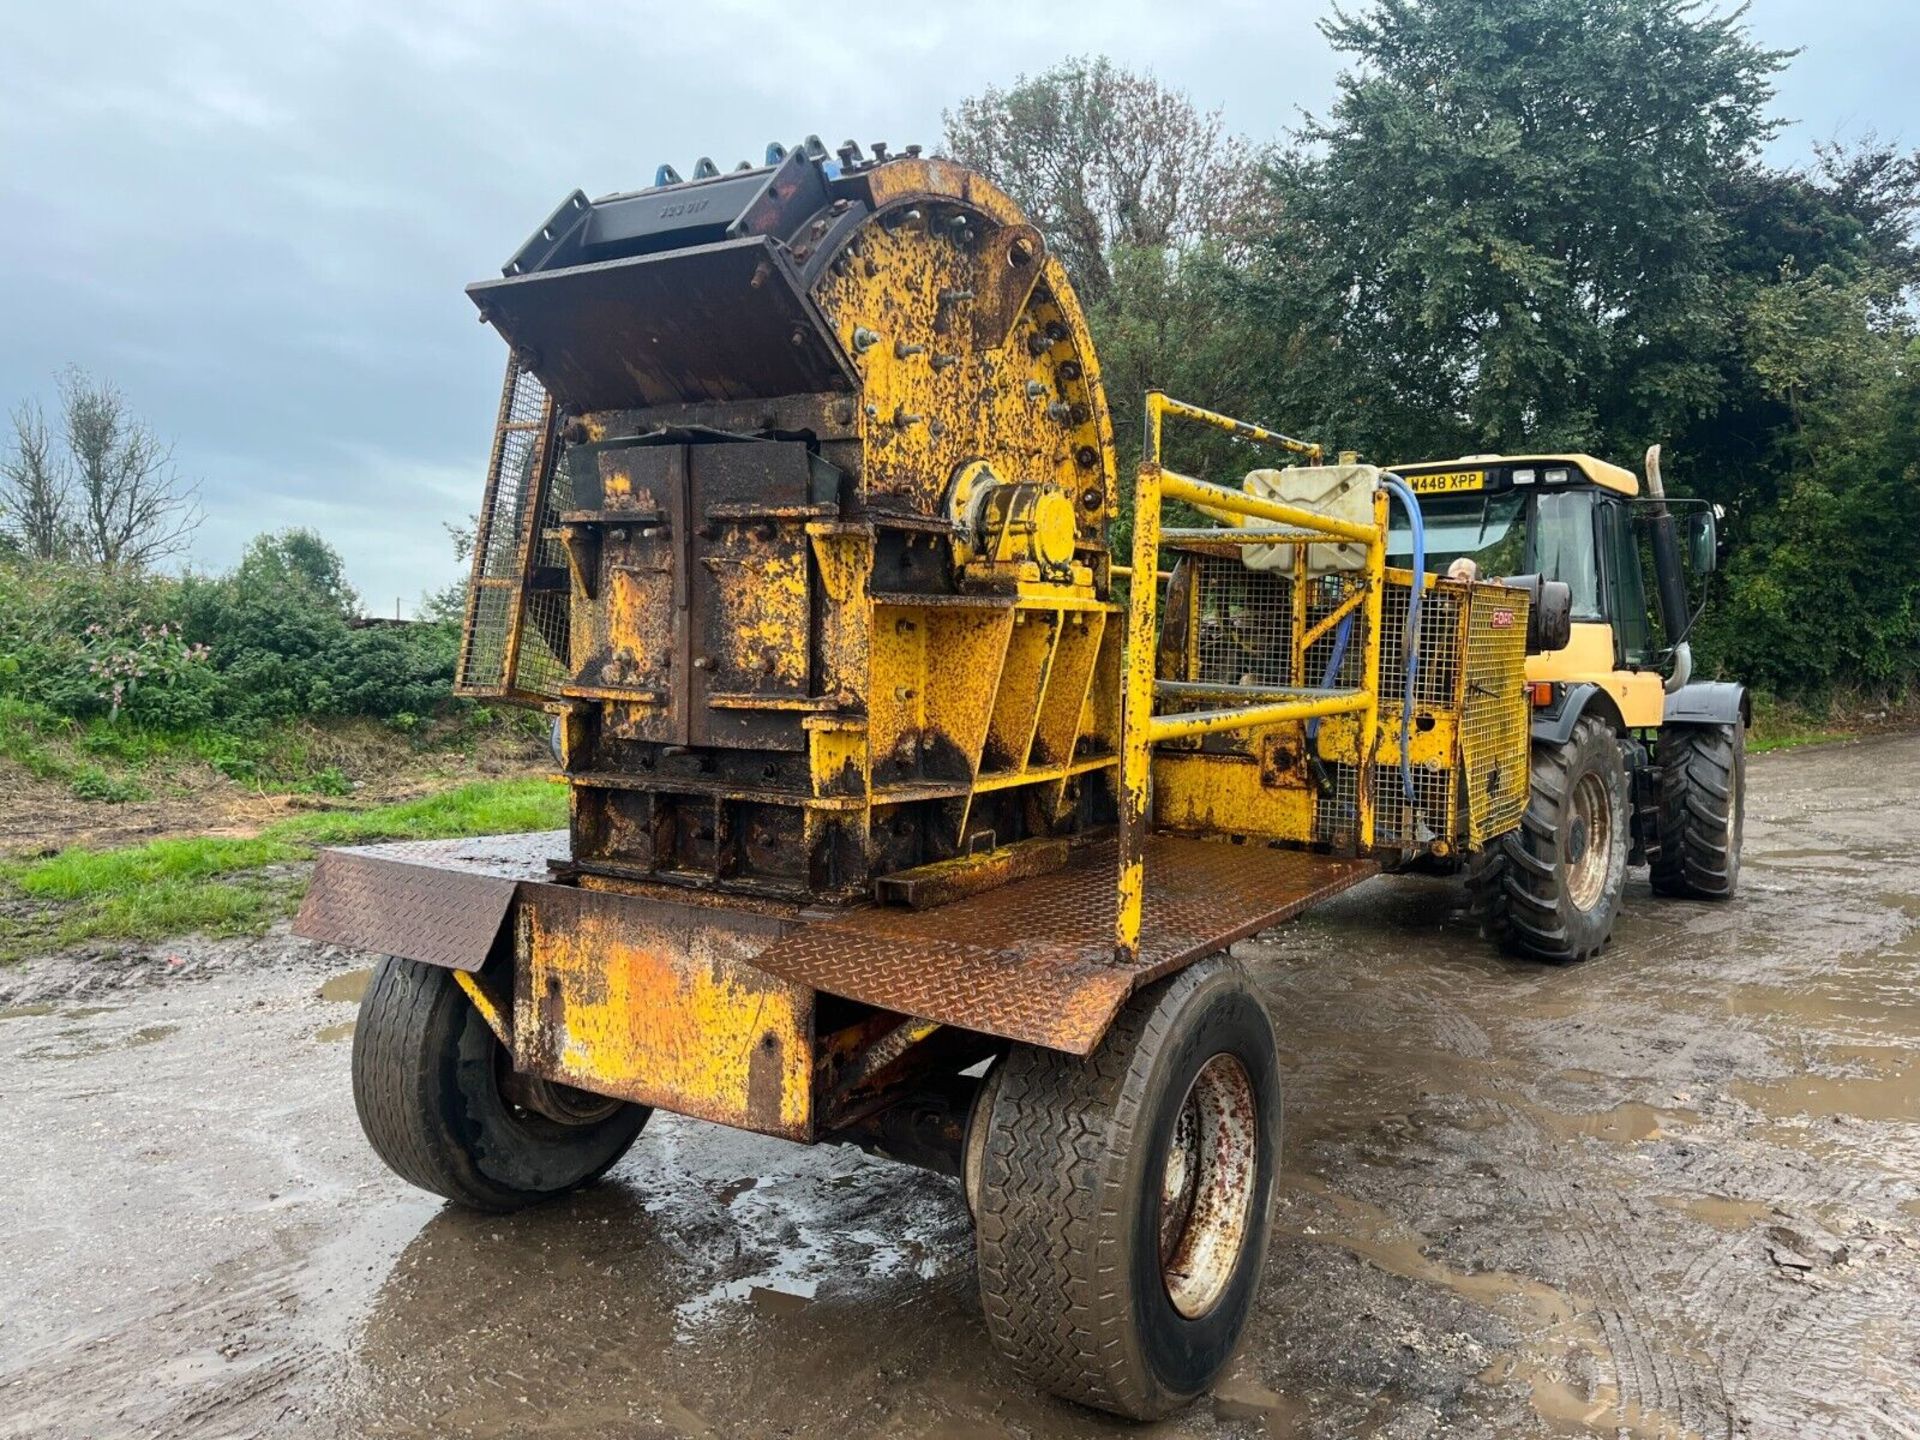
<point>1490,530</point>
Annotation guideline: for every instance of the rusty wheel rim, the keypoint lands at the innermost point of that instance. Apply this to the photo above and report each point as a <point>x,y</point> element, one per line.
<point>1588,845</point>
<point>530,1097</point>
<point>1206,1194</point>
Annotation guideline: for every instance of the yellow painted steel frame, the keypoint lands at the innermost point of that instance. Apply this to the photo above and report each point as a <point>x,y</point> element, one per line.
<point>660,1003</point>
<point>1142,728</point>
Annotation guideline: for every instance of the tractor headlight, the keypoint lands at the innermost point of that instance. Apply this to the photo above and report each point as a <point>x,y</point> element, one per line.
<point>1524,477</point>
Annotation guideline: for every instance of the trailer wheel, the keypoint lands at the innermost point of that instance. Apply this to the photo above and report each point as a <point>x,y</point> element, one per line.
<point>1550,889</point>
<point>439,1101</point>
<point>1703,782</point>
<point>1123,1199</point>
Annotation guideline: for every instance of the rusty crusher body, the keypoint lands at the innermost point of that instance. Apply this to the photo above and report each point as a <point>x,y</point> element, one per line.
<point>822,473</point>
<point>880,765</point>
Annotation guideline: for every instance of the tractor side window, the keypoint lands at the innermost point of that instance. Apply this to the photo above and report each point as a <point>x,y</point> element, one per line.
<point>1564,550</point>
<point>1626,584</point>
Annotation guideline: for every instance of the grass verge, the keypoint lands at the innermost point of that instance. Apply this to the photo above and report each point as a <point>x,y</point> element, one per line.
<point>217,885</point>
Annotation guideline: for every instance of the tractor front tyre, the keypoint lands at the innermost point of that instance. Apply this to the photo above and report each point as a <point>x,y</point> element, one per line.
<point>1550,889</point>
<point>1123,1200</point>
<point>442,1106</point>
<point>1703,784</point>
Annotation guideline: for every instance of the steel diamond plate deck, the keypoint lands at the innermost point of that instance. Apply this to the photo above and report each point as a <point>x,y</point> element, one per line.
<point>1033,960</point>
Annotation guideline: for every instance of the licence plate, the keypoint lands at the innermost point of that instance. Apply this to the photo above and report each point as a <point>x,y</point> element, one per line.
<point>1448,482</point>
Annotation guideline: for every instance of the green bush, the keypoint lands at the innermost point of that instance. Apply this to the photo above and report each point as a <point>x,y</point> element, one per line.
<point>90,782</point>
<point>272,639</point>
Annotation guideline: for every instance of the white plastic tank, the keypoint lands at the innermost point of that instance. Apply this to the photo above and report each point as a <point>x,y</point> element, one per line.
<point>1341,492</point>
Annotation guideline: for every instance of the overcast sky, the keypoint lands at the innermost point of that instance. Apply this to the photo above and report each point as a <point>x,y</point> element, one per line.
<point>257,218</point>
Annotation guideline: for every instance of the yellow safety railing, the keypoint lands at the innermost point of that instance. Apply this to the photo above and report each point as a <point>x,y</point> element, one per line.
<point>1249,520</point>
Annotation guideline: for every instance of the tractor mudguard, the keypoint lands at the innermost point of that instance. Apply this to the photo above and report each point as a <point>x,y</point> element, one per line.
<point>1553,725</point>
<point>1709,702</point>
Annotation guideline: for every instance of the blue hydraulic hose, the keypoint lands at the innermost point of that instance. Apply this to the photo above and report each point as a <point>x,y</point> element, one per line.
<point>1410,503</point>
<point>1332,673</point>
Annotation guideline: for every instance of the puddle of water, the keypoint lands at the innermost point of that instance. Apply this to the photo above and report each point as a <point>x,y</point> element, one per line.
<point>769,1301</point>
<point>1720,1211</point>
<point>1572,1410</point>
<point>347,988</point>
<point>1241,1396</point>
<point>811,1233</point>
<point>1378,1237</point>
<point>328,1034</point>
<point>1623,1124</point>
<point>1859,1097</point>
<point>79,1044</point>
<point>21,1012</point>
<point>1561,1329</point>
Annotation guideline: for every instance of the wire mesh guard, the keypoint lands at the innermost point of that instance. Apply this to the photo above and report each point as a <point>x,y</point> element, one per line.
<point>516,630</point>
<point>1244,624</point>
<point>1246,635</point>
<point>1495,743</point>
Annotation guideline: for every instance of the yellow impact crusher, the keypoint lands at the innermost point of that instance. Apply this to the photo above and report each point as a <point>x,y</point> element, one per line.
<point>904,812</point>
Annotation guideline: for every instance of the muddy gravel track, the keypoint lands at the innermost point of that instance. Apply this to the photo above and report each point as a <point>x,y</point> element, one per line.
<point>1672,1192</point>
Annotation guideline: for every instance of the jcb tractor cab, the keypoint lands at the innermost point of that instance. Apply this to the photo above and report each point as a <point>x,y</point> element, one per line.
<point>1634,762</point>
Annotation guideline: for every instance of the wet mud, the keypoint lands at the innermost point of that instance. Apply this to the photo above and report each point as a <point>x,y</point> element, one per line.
<point>1672,1192</point>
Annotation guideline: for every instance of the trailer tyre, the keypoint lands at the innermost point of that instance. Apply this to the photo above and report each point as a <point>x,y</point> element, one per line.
<point>432,1085</point>
<point>1123,1199</point>
<point>1550,889</point>
<point>1703,782</point>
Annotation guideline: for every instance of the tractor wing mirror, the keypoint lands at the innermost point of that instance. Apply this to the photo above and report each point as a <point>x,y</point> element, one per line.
<point>1703,540</point>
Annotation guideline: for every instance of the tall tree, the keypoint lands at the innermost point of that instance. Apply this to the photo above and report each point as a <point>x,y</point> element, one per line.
<point>36,488</point>
<point>1104,159</point>
<point>1506,231</point>
<point>134,509</point>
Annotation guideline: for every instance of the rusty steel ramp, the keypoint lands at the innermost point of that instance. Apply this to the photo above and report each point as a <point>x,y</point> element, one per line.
<point>1033,960</point>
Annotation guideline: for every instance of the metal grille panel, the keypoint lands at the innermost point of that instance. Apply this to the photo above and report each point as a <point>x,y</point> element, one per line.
<point>1336,813</point>
<point>1246,623</point>
<point>1325,594</point>
<point>1432,806</point>
<point>516,495</point>
<point>1439,643</point>
<point>1494,742</point>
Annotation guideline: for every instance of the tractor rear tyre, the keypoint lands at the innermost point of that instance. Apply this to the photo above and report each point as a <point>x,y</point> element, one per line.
<point>1123,1199</point>
<point>1703,783</point>
<point>441,1104</point>
<point>1550,889</point>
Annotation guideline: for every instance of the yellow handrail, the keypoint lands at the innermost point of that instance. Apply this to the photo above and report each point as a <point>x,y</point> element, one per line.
<point>1140,727</point>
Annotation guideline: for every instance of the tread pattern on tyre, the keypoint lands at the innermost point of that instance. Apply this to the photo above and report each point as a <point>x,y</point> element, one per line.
<point>1052,1191</point>
<point>1514,881</point>
<point>1700,772</point>
<point>405,1077</point>
<point>397,1009</point>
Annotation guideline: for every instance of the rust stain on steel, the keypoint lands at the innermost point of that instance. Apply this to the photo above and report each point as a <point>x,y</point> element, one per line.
<point>945,881</point>
<point>440,902</point>
<point>659,1003</point>
<point>1033,960</point>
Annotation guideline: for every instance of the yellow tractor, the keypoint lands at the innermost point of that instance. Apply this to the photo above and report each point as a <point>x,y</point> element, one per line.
<point>898,816</point>
<point>1634,762</point>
